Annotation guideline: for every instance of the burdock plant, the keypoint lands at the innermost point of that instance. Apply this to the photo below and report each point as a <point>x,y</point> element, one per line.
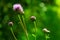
<point>33,19</point>
<point>11,25</point>
<point>46,33</point>
<point>19,8</point>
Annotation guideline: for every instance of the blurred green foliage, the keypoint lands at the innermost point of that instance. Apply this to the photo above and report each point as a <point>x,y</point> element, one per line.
<point>47,14</point>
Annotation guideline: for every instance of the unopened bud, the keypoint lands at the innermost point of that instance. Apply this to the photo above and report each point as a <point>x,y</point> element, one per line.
<point>46,31</point>
<point>10,23</point>
<point>33,18</point>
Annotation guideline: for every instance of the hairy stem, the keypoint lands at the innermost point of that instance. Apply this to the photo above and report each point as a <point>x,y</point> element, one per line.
<point>13,34</point>
<point>35,28</point>
<point>23,26</point>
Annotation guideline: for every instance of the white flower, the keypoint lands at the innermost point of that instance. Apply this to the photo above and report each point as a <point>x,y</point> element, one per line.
<point>45,30</point>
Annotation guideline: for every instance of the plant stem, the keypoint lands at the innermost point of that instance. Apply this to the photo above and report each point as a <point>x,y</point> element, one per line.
<point>35,29</point>
<point>46,36</point>
<point>23,21</point>
<point>13,33</point>
<point>23,26</point>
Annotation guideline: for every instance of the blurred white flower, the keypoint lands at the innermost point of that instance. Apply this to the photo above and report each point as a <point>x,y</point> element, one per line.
<point>44,9</point>
<point>42,4</point>
<point>45,30</point>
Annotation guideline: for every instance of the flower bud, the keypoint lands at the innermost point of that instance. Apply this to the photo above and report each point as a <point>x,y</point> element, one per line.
<point>33,18</point>
<point>10,23</point>
<point>18,7</point>
<point>46,31</point>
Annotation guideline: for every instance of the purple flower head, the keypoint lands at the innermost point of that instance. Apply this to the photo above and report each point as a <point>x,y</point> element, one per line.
<point>18,7</point>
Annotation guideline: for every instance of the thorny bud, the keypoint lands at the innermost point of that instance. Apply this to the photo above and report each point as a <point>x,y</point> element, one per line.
<point>18,7</point>
<point>33,18</point>
<point>46,31</point>
<point>10,23</point>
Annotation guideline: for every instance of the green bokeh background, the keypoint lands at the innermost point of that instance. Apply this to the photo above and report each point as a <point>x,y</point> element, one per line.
<point>47,14</point>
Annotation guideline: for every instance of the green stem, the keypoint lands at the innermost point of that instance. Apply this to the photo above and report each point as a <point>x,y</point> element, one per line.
<point>35,29</point>
<point>23,21</point>
<point>23,26</point>
<point>46,36</point>
<point>13,33</point>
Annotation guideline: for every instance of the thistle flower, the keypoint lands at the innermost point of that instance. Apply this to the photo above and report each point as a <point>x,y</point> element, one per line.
<point>10,23</point>
<point>18,7</point>
<point>46,31</point>
<point>33,18</point>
